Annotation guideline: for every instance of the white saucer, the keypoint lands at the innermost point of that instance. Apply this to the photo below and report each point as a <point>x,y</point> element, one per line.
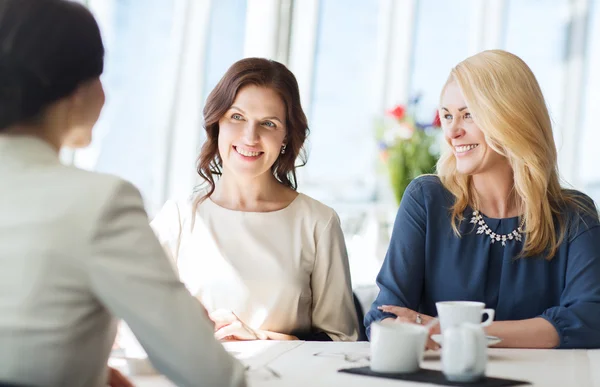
<point>492,340</point>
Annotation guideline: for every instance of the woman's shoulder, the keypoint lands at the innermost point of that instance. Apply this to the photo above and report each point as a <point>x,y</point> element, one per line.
<point>316,220</point>
<point>176,211</point>
<point>580,198</point>
<point>314,209</point>
<point>429,189</point>
<point>95,189</point>
<point>580,212</point>
<point>93,200</point>
<point>427,182</point>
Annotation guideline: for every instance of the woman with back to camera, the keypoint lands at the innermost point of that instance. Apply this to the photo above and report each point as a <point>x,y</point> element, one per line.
<point>266,261</point>
<point>77,250</point>
<point>494,225</point>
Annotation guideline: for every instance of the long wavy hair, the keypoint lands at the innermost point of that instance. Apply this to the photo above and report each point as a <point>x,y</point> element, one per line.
<point>264,73</point>
<point>507,104</point>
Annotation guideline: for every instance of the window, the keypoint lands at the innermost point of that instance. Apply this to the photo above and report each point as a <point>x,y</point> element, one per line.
<point>589,157</point>
<point>441,42</point>
<point>542,47</point>
<point>126,138</point>
<point>341,158</point>
<point>225,40</point>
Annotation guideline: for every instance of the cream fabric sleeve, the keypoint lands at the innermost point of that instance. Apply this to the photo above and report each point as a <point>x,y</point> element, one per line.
<point>130,274</point>
<point>333,309</point>
<point>167,226</point>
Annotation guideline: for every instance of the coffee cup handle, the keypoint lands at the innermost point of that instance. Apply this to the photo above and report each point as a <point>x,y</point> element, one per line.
<point>490,317</point>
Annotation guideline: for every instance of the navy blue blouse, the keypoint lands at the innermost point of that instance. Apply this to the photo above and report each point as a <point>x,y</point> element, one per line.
<point>426,263</point>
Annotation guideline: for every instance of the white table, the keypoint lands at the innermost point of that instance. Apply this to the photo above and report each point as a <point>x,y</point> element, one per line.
<point>297,366</point>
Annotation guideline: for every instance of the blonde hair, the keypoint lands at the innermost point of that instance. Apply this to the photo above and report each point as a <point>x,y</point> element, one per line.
<point>507,104</point>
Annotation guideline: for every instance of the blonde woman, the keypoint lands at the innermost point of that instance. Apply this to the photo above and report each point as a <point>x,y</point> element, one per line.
<point>495,225</point>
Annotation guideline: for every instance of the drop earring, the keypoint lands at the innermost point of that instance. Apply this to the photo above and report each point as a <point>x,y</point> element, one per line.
<point>283,149</point>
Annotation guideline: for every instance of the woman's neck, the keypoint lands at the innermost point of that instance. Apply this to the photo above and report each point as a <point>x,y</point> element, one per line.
<point>31,131</point>
<point>495,194</point>
<point>258,194</point>
<point>52,128</point>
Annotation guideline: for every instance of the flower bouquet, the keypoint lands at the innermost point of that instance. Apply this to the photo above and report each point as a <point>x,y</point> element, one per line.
<point>407,148</point>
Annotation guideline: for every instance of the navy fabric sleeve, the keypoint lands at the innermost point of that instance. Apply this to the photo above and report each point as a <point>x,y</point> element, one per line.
<point>400,279</point>
<point>577,318</point>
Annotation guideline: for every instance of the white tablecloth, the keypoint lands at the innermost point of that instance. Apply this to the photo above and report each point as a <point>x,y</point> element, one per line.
<point>294,364</point>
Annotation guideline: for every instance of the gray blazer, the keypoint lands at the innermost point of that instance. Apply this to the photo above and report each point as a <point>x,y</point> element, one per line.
<point>76,251</point>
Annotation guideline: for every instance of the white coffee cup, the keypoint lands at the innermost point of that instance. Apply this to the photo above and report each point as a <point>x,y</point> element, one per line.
<point>464,353</point>
<point>454,313</point>
<point>397,347</point>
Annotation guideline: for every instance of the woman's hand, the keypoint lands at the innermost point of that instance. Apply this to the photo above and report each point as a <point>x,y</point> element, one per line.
<point>117,379</point>
<point>229,327</point>
<point>410,316</point>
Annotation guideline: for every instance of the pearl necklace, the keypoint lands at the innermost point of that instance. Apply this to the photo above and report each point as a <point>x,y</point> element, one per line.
<point>483,228</point>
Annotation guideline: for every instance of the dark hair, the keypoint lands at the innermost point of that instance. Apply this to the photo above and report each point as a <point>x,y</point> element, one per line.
<point>258,72</point>
<point>47,49</point>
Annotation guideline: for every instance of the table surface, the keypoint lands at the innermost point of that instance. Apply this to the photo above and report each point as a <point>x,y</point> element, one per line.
<point>297,363</point>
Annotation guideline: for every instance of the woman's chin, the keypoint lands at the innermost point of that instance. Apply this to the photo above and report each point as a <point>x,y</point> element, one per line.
<point>466,169</point>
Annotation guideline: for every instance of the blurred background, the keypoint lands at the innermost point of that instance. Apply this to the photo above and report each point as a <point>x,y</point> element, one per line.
<point>354,60</point>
